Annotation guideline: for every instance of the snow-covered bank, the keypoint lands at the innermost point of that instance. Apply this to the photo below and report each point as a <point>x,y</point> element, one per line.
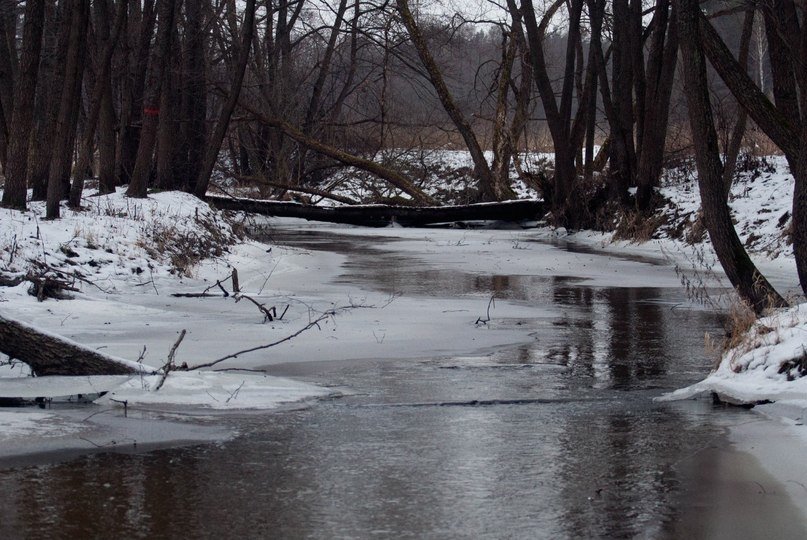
<point>117,248</point>
<point>767,365</point>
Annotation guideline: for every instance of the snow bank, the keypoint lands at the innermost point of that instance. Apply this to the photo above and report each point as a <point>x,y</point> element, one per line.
<point>115,237</point>
<point>768,365</point>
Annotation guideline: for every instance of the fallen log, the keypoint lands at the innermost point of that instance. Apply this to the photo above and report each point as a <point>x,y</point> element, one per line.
<point>49,354</point>
<point>378,215</point>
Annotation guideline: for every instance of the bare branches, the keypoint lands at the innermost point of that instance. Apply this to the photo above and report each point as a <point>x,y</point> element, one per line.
<point>309,326</point>
<point>169,365</point>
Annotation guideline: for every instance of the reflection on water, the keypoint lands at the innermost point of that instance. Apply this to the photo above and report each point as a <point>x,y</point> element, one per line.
<point>591,456</point>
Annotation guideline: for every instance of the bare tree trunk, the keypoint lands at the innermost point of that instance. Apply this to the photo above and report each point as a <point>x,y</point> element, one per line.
<point>62,152</point>
<point>101,87</point>
<point>623,152</point>
<point>138,185</point>
<point>567,132</point>
<point>742,273</point>
<point>7,76</point>
<point>213,147</point>
<point>24,94</point>
<point>193,96</point>
<point>141,25</point>
<point>781,123</point>
<point>660,74</point>
<point>738,132</point>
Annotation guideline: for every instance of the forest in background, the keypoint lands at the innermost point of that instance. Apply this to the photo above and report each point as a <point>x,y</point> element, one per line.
<point>281,94</point>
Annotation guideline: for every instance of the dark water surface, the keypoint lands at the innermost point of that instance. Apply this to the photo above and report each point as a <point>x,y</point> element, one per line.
<point>555,439</point>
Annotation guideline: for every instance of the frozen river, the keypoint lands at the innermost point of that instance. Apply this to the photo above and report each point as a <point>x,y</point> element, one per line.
<point>556,436</point>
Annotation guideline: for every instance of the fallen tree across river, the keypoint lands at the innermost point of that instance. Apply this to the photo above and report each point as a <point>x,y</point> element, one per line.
<point>378,215</point>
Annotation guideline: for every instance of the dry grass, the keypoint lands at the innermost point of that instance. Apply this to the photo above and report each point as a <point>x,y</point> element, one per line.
<point>637,227</point>
<point>184,248</point>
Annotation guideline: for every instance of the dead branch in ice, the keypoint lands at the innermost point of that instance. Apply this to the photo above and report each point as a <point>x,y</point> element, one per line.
<point>269,313</point>
<point>169,365</point>
<point>486,320</point>
<point>302,330</point>
<point>315,322</point>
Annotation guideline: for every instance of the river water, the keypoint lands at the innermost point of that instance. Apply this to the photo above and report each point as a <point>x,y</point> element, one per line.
<point>557,438</point>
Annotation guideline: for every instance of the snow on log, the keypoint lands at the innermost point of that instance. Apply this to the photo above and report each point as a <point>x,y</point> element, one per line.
<point>50,354</point>
<point>378,215</point>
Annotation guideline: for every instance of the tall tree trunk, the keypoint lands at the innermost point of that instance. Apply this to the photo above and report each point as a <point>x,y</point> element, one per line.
<point>734,145</point>
<point>660,73</point>
<point>16,186</point>
<point>193,96</point>
<point>213,147</point>
<point>784,127</point>
<point>7,75</point>
<point>138,185</point>
<point>741,272</point>
<point>141,28</point>
<point>567,132</point>
<point>62,152</point>
<point>101,87</point>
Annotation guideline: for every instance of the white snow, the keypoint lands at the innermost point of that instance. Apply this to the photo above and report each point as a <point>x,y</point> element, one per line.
<point>214,390</point>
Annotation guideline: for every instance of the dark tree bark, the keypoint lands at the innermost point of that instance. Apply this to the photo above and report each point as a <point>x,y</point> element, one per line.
<point>741,272</point>
<point>61,154</point>
<point>567,130</point>
<point>106,119</point>
<point>193,96</point>
<point>783,123</point>
<point>734,144</point>
<point>101,87</point>
<point>48,354</point>
<point>622,120</point>
<point>213,147</point>
<point>24,94</point>
<point>167,131</point>
<point>660,73</point>
<point>138,185</point>
<point>141,27</point>
<point>7,75</point>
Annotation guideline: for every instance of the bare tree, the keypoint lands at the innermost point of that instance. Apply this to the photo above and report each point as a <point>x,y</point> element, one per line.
<point>742,273</point>
<point>15,193</point>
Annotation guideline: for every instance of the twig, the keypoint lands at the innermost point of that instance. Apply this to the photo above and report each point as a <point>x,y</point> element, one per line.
<point>73,275</point>
<point>269,314</point>
<point>169,364</point>
<point>487,319</point>
<point>234,394</point>
<point>307,327</point>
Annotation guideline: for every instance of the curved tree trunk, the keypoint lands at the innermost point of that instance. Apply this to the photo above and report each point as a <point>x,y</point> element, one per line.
<point>743,275</point>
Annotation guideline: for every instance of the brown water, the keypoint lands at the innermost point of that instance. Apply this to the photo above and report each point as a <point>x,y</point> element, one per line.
<point>556,439</point>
